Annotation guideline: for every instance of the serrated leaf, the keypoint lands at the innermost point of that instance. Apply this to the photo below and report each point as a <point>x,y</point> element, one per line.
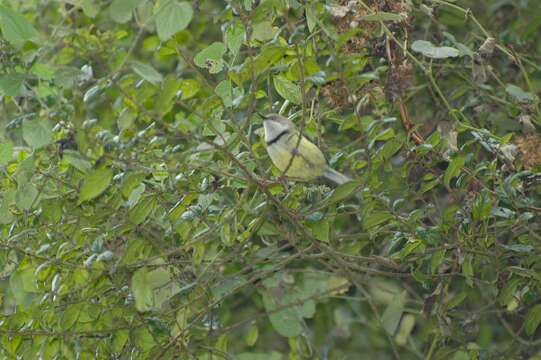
<point>171,17</point>
<point>288,90</point>
<point>15,28</point>
<point>147,72</point>
<point>95,183</point>
<point>432,51</point>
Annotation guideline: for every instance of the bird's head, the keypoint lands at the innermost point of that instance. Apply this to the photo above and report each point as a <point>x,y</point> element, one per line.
<point>274,124</point>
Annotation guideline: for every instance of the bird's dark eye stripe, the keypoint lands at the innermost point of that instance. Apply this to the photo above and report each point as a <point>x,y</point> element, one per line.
<point>272,141</point>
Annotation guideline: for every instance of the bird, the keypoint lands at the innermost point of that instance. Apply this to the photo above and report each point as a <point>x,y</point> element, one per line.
<point>309,163</point>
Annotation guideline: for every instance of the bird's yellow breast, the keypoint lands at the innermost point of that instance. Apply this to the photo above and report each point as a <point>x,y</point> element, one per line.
<point>308,161</point>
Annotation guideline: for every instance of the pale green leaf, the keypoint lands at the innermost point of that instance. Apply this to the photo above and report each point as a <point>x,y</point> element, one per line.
<point>121,10</point>
<point>37,132</point>
<point>210,58</point>
<point>287,89</point>
<point>224,91</point>
<point>147,72</point>
<point>171,17</point>
<point>16,28</point>
<point>432,51</point>
<point>95,183</point>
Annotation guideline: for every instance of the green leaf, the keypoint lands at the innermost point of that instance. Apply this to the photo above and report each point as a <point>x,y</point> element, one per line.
<point>224,91</point>
<point>287,321</point>
<point>26,196</point>
<point>171,17</point>
<point>37,133</point>
<point>467,270</point>
<point>149,288</point>
<point>342,192</point>
<point>6,217</point>
<point>22,282</point>
<point>6,153</point>
<point>210,58</point>
<point>75,159</point>
<point>170,89</point>
<point>142,209</point>
<point>12,84</point>
<point>90,8</point>
<point>234,37</point>
<point>121,10</point>
<point>393,313</point>
<point>533,319</point>
<point>432,51</point>
<point>189,88</point>
<point>482,206</point>
<point>95,183</point>
<point>15,28</point>
<point>288,90</point>
<point>263,31</point>
<point>519,94</point>
<point>382,16</point>
<point>375,218</point>
<point>454,169</point>
<point>311,16</point>
<point>147,72</point>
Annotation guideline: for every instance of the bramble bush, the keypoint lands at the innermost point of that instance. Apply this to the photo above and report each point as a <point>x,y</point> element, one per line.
<point>141,217</point>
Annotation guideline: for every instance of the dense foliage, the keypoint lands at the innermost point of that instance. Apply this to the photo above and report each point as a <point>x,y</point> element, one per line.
<point>140,216</point>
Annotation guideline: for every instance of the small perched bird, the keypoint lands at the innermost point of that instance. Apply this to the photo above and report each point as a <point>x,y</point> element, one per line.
<point>282,137</point>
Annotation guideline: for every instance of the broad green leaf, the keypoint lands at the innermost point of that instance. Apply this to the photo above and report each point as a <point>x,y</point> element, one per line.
<point>286,322</point>
<point>147,72</point>
<point>90,8</point>
<point>382,16</point>
<point>287,89</point>
<point>311,16</point>
<point>142,290</point>
<point>533,319</point>
<point>432,51</point>
<point>224,91</point>
<point>454,169</point>
<point>234,37</point>
<point>6,153</point>
<point>12,84</point>
<point>393,313</point>
<point>171,17</point>
<point>27,194</point>
<point>210,58</point>
<point>6,217</point>
<point>121,10</point>
<point>22,282</point>
<point>95,183</point>
<point>519,94</point>
<point>15,28</point>
<point>149,288</point>
<point>130,182</point>
<point>252,335</point>
<point>37,132</point>
<point>263,31</point>
<point>189,88</point>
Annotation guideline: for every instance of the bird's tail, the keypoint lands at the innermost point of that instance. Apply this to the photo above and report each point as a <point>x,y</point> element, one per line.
<point>336,176</point>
